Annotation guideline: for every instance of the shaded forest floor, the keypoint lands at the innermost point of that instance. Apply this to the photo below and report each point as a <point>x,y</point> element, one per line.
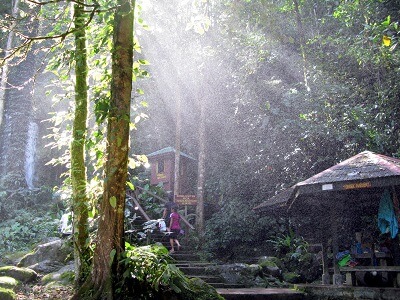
<point>38,291</point>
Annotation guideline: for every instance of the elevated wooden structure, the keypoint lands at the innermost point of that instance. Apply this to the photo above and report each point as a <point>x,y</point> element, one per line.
<point>162,164</point>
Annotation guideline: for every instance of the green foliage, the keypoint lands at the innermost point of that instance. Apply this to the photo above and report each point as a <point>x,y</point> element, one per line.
<point>359,101</point>
<point>148,272</point>
<point>68,276</point>
<point>151,274</point>
<point>26,229</point>
<point>11,202</point>
<point>289,244</point>
<point>151,204</point>
<point>236,232</point>
<point>200,290</point>
<point>297,263</point>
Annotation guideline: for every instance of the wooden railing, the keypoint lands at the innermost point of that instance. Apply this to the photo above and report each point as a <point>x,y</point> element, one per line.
<point>134,197</point>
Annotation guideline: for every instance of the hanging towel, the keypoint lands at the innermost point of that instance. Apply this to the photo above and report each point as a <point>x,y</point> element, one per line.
<point>387,221</point>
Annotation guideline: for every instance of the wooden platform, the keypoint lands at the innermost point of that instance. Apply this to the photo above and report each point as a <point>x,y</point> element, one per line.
<point>345,292</point>
<point>351,273</point>
<point>261,294</point>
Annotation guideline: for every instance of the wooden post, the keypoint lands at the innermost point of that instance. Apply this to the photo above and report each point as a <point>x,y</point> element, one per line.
<point>337,277</point>
<point>141,209</point>
<point>325,266</point>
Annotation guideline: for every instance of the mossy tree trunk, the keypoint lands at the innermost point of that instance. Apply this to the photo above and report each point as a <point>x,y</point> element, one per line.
<point>78,169</point>
<point>110,235</point>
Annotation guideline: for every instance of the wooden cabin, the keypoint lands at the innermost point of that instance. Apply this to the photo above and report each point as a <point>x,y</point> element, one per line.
<point>162,168</point>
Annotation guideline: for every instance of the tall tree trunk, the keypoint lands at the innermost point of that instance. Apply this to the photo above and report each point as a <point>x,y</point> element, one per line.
<point>4,71</point>
<point>300,30</point>
<point>110,236</point>
<point>177,145</point>
<point>18,121</point>
<point>78,169</point>
<point>201,170</point>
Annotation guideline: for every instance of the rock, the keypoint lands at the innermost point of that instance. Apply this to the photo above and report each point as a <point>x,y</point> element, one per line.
<point>201,290</point>
<point>8,282</point>
<point>47,257</point>
<point>269,266</point>
<point>63,275</point>
<point>21,274</point>
<point>261,282</point>
<point>237,273</point>
<point>307,266</point>
<point>46,266</point>
<point>273,271</point>
<point>291,277</point>
<point>7,294</point>
<point>270,261</point>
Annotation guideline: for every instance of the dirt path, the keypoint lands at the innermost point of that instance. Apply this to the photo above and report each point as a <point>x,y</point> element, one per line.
<point>38,292</point>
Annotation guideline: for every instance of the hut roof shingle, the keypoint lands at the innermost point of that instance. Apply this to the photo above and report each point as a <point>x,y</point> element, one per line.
<point>366,165</point>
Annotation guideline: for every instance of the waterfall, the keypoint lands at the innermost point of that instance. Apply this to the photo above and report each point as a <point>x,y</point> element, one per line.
<point>30,153</point>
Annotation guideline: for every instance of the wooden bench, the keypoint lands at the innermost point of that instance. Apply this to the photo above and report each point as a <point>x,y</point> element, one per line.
<point>351,272</point>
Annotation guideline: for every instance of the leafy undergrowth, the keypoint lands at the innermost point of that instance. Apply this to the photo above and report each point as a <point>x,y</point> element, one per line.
<point>36,292</point>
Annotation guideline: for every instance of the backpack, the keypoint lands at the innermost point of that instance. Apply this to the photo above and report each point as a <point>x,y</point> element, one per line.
<point>161,225</point>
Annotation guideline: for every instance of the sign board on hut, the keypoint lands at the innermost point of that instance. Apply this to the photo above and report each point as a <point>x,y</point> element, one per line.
<point>357,185</point>
<point>185,199</point>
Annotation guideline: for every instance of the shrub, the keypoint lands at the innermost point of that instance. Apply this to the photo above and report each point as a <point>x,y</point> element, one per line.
<point>25,230</point>
<point>149,274</point>
<point>237,232</point>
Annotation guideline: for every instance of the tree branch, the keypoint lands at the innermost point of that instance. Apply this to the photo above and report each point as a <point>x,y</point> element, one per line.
<point>95,4</point>
<point>62,36</point>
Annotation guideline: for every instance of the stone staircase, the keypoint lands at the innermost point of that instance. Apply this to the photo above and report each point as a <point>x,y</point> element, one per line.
<point>189,262</point>
<point>192,266</point>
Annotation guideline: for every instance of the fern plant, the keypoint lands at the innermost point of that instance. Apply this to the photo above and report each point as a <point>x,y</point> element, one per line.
<point>289,244</point>
<point>149,273</point>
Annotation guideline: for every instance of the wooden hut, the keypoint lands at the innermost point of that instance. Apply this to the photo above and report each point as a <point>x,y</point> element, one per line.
<point>162,164</point>
<point>330,208</point>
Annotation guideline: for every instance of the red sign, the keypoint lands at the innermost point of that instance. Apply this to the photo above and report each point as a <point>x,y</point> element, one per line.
<point>186,199</point>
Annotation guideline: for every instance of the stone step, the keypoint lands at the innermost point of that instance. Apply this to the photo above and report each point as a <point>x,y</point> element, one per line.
<point>190,271</point>
<point>207,278</point>
<point>185,256</point>
<point>222,285</point>
<point>215,281</point>
<point>190,264</point>
<point>193,264</point>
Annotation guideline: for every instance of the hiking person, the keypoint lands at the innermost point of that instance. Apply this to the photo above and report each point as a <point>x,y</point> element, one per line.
<point>175,228</point>
<point>168,208</point>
